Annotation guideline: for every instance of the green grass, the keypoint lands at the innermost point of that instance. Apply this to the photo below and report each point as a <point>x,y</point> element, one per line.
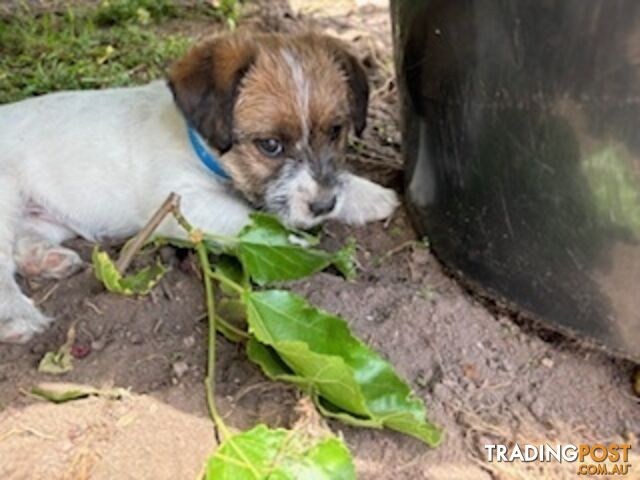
<point>118,43</point>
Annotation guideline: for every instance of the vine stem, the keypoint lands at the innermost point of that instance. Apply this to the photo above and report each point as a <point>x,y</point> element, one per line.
<point>222,322</point>
<point>197,237</point>
<point>209,381</point>
<point>236,287</point>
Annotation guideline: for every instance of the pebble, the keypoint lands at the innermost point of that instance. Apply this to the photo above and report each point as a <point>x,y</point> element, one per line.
<point>99,344</point>
<point>180,368</point>
<point>547,362</point>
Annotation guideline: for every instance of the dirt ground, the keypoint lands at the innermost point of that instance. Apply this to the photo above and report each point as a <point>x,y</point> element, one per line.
<point>484,378</point>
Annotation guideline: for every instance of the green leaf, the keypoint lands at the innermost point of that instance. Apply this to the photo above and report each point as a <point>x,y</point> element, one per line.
<point>317,351</point>
<point>270,252</point>
<point>139,283</point>
<point>66,392</point>
<point>56,363</point>
<point>280,454</point>
<point>64,396</point>
<point>60,361</point>
<point>344,259</point>
<point>272,365</point>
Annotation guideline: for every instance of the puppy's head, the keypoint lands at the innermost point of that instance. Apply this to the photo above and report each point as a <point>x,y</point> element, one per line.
<point>279,110</point>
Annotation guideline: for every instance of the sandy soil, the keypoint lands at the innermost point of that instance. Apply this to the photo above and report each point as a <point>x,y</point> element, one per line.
<point>484,377</point>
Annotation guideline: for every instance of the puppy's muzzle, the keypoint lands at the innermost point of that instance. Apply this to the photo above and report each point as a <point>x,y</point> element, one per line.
<point>323,205</point>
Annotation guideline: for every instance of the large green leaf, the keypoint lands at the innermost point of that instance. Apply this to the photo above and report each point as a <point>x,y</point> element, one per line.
<point>270,252</point>
<point>317,351</point>
<point>140,283</point>
<point>280,454</point>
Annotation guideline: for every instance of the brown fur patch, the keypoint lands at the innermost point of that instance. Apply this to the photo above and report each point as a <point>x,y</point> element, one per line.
<point>205,82</point>
<point>268,106</point>
<point>242,88</point>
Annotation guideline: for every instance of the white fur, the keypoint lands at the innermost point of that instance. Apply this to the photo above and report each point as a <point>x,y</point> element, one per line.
<point>98,164</point>
<point>301,83</point>
<point>363,201</point>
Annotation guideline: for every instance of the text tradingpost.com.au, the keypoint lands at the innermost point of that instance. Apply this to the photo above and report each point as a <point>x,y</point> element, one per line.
<point>591,459</point>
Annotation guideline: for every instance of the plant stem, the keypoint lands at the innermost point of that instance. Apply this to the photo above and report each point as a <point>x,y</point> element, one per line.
<point>241,333</point>
<point>236,287</point>
<point>223,239</point>
<point>177,214</point>
<point>132,247</point>
<point>209,381</point>
<point>229,326</point>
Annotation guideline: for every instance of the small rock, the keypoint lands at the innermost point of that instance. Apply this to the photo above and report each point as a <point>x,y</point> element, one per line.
<point>180,368</point>
<point>189,341</point>
<point>547,362</point>
<point>136,339</point>
<point>99,344</point>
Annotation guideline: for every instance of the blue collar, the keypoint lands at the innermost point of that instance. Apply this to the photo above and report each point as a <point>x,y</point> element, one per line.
<point>207,158</point>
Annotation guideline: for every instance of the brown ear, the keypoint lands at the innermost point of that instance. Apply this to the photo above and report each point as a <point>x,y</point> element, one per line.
<point>356,79</point>
<point>205,85</point>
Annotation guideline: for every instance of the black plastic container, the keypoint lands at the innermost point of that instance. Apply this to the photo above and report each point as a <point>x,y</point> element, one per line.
<point>522,142</point>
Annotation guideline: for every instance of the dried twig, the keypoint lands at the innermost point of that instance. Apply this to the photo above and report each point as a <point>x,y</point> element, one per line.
<point>132,247</point>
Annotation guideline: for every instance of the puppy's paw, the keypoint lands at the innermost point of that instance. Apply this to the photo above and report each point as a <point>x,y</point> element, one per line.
<point>365,201</point>
<point>383,202</point>
<point>20,320</point>
<point>45,261</point>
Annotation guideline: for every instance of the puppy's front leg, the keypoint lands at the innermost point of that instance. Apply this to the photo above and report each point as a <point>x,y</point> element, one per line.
<point>19,318</point>
<point>365,201</point>
<point>220,214</point>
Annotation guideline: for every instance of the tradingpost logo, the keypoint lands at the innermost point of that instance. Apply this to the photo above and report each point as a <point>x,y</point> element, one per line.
<point>590,459</point>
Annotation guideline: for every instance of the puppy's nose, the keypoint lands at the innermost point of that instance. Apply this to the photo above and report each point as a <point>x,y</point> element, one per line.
<point>322,206</point>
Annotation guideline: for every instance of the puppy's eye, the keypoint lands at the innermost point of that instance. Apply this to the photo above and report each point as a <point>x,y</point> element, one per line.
<point>271,147</point>
<point>334,132</point>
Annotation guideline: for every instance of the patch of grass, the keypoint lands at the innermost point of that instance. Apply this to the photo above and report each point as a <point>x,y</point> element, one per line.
<point>118,43</point>
<point>230,11</point>
<point>113,12</point>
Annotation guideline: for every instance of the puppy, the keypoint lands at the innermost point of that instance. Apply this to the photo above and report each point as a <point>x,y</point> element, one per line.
<point>243,122</point>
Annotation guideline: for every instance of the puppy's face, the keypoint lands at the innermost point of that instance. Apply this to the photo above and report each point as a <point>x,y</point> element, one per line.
<point>279,110</point>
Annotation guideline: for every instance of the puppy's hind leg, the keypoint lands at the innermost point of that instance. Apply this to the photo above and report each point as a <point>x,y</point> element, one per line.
<point>37,252</point>
<point>19,318</point>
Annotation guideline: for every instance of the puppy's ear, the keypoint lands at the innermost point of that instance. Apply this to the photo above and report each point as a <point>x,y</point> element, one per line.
<point>356,79</point>
<point>205,84</point>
